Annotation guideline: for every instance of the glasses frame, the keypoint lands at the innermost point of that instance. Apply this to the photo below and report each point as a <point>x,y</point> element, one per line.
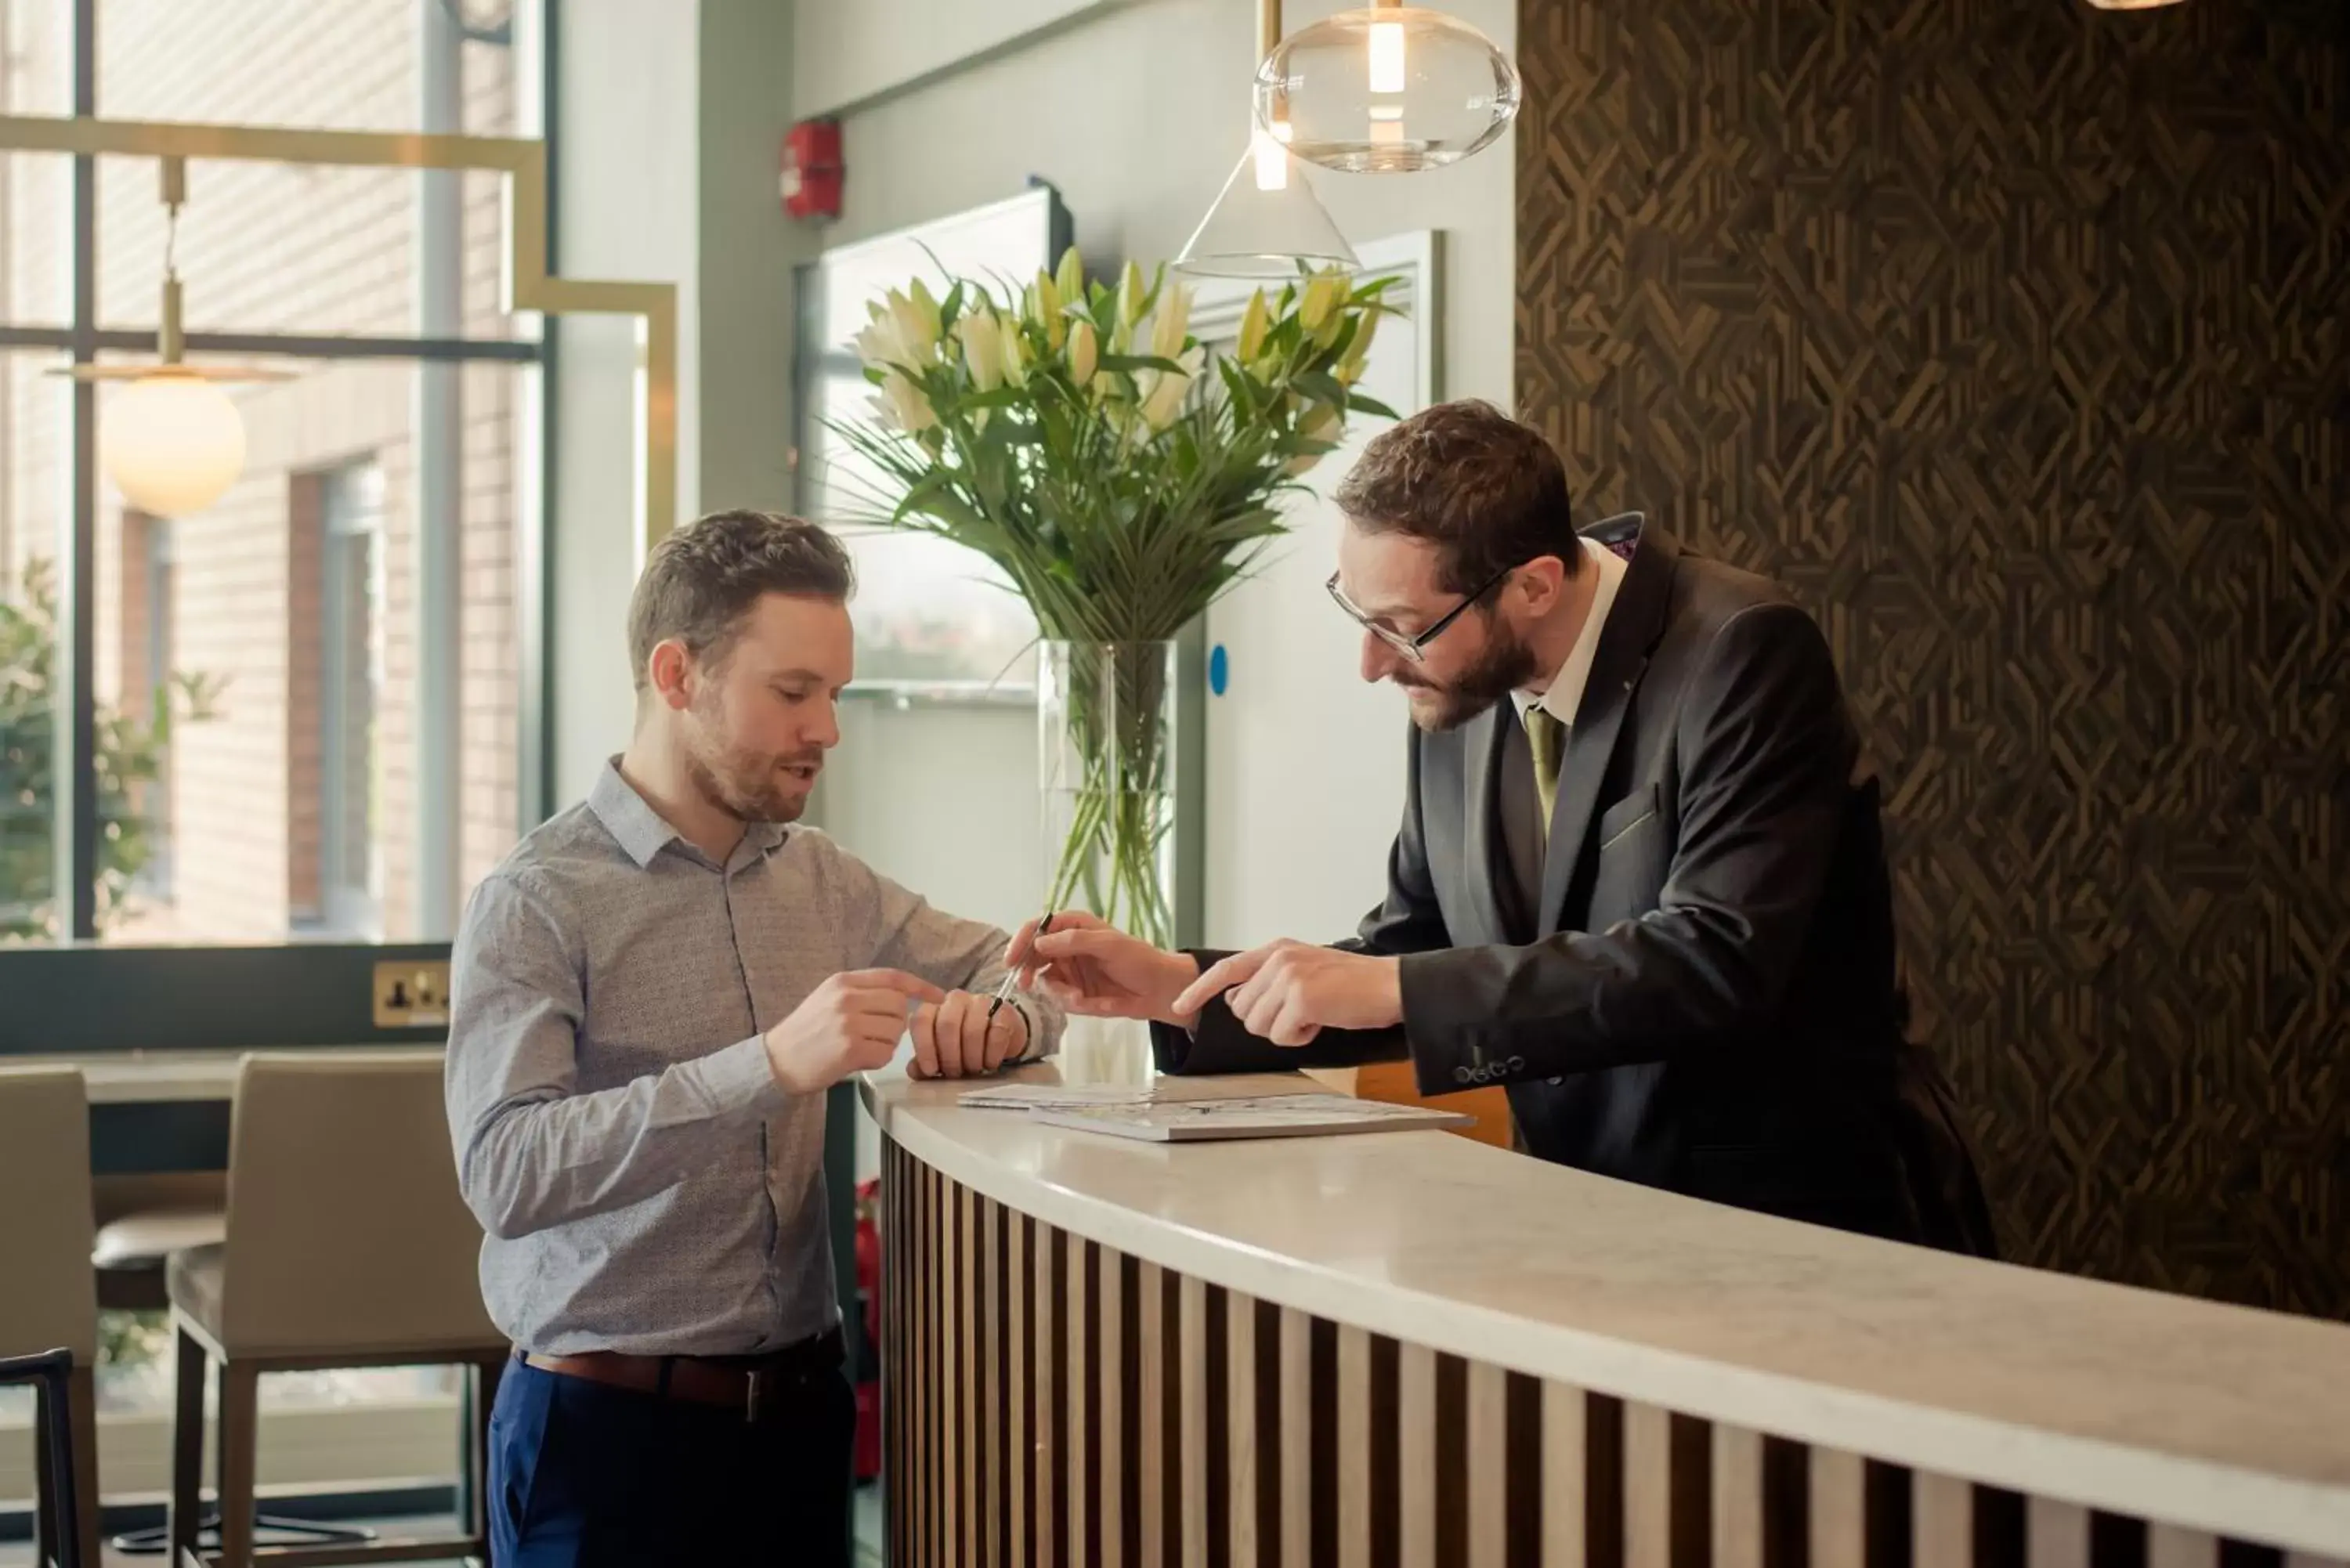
<point>1412,646</point>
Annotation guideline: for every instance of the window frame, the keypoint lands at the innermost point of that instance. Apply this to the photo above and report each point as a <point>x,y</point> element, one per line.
<point>302,992</point>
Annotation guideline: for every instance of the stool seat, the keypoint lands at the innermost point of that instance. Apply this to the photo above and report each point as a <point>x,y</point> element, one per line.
<point>144,1239</point>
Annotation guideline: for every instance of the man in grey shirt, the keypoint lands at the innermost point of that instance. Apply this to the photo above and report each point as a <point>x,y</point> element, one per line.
<point>653,995</point>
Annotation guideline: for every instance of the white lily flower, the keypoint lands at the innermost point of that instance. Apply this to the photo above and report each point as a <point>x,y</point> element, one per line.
<point>982,350</point>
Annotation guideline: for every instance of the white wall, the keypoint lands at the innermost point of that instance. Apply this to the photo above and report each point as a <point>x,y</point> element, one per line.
<point>1137,113</point>
<point>627,202</point>
<point>846,51</point>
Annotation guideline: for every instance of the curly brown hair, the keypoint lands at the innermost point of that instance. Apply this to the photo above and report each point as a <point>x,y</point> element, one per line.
<point>701,581</point>
<point>1486,490</point>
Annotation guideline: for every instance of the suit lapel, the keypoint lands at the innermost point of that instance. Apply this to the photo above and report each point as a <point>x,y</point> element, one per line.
<point>1481,746</point>
<point>1634,626</point>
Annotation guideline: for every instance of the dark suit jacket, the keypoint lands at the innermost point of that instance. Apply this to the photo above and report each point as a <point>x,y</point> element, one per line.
<point>1706,1000</point>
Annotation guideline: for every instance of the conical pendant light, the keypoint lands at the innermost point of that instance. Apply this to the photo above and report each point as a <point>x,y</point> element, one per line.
<point>1391,90</point>
<point>1266,222</point>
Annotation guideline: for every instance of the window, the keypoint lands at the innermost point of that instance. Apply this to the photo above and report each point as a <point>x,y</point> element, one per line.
<point>926,612</point>
<point>350,691</point>
<point>307,700</point>
<point>304,701</point>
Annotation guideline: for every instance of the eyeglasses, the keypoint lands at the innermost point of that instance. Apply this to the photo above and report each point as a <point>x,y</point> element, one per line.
<point>1411,644</point>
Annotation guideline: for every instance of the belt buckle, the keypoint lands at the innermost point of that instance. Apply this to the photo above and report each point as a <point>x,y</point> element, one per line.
<point>754,1391</point>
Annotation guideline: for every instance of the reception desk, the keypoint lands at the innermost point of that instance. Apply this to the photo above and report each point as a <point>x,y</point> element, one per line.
<point>1410,1348</point>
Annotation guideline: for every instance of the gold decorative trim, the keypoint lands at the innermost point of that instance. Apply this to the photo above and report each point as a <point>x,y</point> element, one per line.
<point>528,286</point>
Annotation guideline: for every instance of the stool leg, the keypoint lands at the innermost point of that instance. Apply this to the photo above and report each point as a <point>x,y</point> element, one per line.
<point>81,1403</point>
<point>44,1483</point>
<point>484,1376</point>
<point>190,1364</point>
<point>240,1445</point>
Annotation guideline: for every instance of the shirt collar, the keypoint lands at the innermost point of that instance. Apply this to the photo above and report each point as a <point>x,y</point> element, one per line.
<point>1564,693</point>
<point>643,833</point>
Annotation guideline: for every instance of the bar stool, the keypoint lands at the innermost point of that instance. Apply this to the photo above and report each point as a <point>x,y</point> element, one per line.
<point>50,1301</point>
<point>347,1247</point>
<point>51,1375</point>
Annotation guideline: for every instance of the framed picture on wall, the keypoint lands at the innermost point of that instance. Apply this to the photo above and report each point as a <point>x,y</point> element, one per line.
<point>933,619</point>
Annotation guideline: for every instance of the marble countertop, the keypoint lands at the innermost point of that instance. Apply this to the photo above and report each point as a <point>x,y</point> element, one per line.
<point>2210,1417</point>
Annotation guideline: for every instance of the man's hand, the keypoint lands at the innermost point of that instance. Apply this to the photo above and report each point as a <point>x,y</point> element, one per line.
<point>954,1037</point>
<point>1288,992</point>
<point>851,1023</point>
<point>1096,969</point>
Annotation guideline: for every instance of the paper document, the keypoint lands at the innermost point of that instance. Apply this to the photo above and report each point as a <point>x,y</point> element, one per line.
<point>1251,1116</point>
<point>1052,1097</point>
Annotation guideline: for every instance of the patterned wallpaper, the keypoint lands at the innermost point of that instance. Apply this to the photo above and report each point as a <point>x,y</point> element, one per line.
<point>2010,334</point>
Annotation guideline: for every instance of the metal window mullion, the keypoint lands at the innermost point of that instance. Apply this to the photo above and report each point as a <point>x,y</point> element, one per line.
<point>74,891</point>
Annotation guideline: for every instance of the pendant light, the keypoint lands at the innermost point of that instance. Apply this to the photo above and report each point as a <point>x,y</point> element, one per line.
<point>1266,222</point>
<point>1389,89</point>
<point>171,440</point>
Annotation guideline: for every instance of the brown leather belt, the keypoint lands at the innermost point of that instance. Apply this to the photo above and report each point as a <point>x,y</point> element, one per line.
<point>747,1383</point>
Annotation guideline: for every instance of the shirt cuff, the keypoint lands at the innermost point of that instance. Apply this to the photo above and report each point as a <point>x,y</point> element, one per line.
<point>739,1078</point>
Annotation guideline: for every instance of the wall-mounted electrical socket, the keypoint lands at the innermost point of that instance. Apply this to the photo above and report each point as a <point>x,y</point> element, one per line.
<point>411,993</point>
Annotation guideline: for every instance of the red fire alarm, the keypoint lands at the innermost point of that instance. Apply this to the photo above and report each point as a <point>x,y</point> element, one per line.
<point>813,169</point>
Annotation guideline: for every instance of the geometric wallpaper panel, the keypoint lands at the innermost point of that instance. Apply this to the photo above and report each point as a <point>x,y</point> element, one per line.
<point>2014,337</point>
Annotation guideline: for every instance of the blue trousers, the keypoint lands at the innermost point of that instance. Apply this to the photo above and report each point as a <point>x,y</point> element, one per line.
<point>584,1474</point>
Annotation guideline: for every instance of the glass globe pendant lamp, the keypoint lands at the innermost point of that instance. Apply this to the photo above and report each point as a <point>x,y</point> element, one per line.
<point>1388,89</point>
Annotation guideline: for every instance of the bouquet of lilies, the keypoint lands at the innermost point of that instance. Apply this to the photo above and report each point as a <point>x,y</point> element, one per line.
<point>1119,472</point>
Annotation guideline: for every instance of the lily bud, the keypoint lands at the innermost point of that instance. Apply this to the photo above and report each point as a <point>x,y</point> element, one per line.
<point>1131,293</point>
<point>1254,322</point>
<point>1174,320</point>
<point>982,350</point>
<point>1014,350</point>
<point>1082,351</point>
<point>1321,299</point>
<point>1071,277</point>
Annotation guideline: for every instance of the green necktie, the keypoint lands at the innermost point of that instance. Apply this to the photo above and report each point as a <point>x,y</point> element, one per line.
<point>1547,738</point>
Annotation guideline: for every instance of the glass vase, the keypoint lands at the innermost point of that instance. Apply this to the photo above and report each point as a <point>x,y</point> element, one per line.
<point>1106,735</point>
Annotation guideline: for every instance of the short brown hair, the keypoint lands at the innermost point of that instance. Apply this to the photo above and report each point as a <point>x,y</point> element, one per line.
<point>1486,490</point>
<point>701,581</point>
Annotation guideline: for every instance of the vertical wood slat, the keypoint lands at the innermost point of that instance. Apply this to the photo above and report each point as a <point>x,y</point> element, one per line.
<point>1489,1465</point>
<point>1566,1465</point>
<point>939,1400</point>
<point>1354,1522</point>
<point>1738,1497</point>
<point>1020,1456</point>
<point>1193,1331</point>
<point>1240,1421</point>
<point>1839,1500</point>
<point>1051,1427</point>
<point>987,1373</point>
<point>1109,1433</point>
<point>1415,1456</point>
<point>1083,1394</point>
<point>1666,1500</point>
<point>1941,1522</point>
<point>965,1436</point>
<point>2056,1534</point>
<point>2168,1546</point>
<point>1296,1440</point>
<point>1150,1459</point>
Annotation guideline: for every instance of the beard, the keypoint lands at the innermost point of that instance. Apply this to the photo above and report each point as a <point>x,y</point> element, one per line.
<point>746,784</point>
<point>1506,664</point>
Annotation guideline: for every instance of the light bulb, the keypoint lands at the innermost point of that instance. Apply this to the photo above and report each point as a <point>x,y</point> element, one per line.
<point>1388,89</point>
<point>1385,53</point>
<point>171,442</point>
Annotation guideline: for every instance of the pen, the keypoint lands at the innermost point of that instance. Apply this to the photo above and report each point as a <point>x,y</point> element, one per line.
<point>1004,991</point>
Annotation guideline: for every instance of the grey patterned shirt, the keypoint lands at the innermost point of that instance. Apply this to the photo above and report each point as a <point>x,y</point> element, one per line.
<point>645,1183</point>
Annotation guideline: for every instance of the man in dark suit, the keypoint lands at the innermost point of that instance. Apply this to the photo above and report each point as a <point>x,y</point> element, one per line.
<point>1641,879</point>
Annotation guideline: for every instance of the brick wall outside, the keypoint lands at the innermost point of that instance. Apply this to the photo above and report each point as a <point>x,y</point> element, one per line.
<point>314,250</point>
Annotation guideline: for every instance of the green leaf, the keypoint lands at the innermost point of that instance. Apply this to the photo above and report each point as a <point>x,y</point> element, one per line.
<point>1357,403</point>
<point>1321,386</point>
